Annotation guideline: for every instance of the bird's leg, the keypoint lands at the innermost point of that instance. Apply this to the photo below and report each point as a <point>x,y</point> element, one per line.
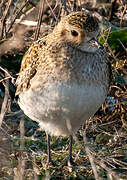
<point>49,160</point>
<point>70,161</point>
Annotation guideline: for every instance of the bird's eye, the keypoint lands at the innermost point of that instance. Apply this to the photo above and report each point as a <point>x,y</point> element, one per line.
<point>74,33</point>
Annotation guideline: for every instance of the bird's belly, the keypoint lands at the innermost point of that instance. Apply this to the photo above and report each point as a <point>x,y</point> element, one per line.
<point>60,108</point>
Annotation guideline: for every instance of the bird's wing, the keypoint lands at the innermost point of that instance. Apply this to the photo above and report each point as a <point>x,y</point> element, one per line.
<point>29,66</point>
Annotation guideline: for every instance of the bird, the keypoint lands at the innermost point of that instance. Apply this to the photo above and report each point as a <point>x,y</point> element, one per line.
<point>64,77</point>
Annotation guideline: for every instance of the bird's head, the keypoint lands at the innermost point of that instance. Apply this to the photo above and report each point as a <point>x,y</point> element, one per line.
<point>81,29</point>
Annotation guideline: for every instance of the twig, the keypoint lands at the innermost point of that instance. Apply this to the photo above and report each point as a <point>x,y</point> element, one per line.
<point>5,101</point>
<point>108,123</point>
<point>4,19</point>
<point>5,129</point>
<point>64,4</point>
<point>51,10</point>
<point>110,172</point>
<point>91,159</point>
<point>111,13</point>
<point>16,14</point>
<point>124,11</point>
<point>17,113</point>
<point>1,5</point>
<point>8,75</point>
<point>32,3</point>
<point>22,132</point>
<point>118,162</point>
<point>40,14</point>
<point>110,50</point>
<point>123,45</point>
<point>19,172</point>
<point>75,5</point>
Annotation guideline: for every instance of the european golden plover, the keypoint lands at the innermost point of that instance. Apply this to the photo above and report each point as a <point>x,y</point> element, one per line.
<point>64,77</point>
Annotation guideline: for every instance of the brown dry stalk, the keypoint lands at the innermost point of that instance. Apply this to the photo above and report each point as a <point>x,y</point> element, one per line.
<point>113,4</point>
<point>40,14</point>
<point>16,14</point>
<point>5,101</point>
<point>3,25</point>
<point>91,159</point>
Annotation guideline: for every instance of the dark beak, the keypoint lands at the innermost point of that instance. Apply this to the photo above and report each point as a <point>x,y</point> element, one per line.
<point>97,42</point>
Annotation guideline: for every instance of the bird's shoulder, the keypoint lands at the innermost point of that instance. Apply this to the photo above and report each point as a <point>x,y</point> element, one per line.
<point>29,65</point>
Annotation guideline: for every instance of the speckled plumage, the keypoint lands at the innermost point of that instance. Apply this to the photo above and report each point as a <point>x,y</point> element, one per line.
<point>64,77</point>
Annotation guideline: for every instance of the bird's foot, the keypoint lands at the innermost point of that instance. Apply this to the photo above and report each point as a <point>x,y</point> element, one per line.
<point>70,162</point>
<point>51,163</point>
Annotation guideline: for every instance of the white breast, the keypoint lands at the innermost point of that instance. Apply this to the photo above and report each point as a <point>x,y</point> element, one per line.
<point>59,104</point>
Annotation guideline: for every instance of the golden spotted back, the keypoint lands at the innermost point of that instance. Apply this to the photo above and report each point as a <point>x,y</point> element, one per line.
<point>29,66</point>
